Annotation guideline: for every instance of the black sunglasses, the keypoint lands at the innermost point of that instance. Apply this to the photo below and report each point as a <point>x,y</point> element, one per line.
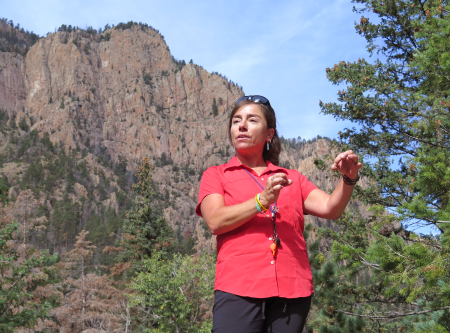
<point>254,98</point>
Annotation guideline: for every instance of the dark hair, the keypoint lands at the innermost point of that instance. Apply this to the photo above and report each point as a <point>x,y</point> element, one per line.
<point>272,155</point>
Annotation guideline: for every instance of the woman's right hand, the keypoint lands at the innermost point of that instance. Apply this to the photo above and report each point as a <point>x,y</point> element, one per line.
<point>273,187</point>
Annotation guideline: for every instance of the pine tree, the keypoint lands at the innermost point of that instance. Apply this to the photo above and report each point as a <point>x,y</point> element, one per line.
<point>27,295</point>
<point>215,109</point>
<point>4,189</point>
<point>89,299</point>
<point>144,231</point>
<point>375,270</point>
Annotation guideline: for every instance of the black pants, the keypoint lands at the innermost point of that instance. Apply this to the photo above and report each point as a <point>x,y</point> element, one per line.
<point>237,314</point>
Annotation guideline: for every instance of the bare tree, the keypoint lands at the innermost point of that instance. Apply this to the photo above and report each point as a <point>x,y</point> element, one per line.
<point>90,300</point>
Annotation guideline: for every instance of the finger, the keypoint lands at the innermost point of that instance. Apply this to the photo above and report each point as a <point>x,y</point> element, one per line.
<point>279,180</point>
<point>339,158</point>
<point>344,161</point>
<point>282,181</point>
<point>278,187</point>
<point>280,174</point>
<point>279,177</point>
<point>354,170</point>
<point>352,157</point>
<point>338,165</point>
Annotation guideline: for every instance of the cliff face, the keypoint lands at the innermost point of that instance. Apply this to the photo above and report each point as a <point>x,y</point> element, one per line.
<point>12,82</point>
<point>127,91</point>
<point>121,96</point>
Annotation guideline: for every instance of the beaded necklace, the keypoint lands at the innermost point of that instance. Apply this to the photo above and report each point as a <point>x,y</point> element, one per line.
<point>273,209</point>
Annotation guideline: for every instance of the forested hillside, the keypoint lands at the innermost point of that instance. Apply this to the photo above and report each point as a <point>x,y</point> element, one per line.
<point>101,155</point>
<point>104,136</point>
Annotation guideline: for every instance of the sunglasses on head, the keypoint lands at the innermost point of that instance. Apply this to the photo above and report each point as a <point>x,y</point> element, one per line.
<point>254,98</point>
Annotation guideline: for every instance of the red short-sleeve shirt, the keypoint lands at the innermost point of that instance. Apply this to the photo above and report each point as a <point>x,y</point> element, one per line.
<point>245,265</point>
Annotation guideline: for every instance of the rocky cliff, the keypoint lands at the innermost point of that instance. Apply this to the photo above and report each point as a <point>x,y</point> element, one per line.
<point>110,99</point>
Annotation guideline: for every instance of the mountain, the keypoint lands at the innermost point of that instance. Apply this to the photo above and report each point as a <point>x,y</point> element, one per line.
<point>80,109</point>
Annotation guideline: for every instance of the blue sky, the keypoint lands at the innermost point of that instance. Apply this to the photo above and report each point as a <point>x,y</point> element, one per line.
<point>278,49</point>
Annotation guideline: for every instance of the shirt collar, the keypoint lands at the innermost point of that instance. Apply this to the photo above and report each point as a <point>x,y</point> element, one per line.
<point>234,163</point>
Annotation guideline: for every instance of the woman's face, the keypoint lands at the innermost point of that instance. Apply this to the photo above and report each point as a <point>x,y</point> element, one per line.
<point>249,132</point>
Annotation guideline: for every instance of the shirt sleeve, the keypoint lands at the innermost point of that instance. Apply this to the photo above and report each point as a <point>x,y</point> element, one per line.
<point>306,186</point>
<point>209,184</point>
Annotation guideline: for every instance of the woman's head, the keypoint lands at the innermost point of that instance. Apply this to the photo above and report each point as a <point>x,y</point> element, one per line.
<point>255,117</point>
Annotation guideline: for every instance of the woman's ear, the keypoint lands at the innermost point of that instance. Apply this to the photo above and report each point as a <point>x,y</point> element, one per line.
<point>270,134</point>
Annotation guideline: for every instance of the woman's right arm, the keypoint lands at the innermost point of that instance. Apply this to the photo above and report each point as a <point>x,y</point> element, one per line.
<point>220,218</point>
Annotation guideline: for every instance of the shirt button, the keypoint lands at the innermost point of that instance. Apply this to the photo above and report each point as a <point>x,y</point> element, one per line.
<point>272,262</point>
<point>270,238</point>
<point>262,178</point>
<point>267,216</point>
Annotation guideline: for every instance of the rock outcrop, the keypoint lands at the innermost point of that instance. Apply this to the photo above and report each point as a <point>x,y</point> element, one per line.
<point>122,96</point>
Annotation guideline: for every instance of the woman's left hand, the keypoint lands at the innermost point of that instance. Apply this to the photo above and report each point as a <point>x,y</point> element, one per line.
<point>347,164</point>
<point>322,204</point>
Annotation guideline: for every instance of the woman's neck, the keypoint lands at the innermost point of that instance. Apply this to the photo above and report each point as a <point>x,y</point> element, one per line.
<point>255,162</point>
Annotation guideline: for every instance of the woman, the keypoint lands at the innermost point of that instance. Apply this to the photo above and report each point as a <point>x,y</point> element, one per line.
<point>263,278</point>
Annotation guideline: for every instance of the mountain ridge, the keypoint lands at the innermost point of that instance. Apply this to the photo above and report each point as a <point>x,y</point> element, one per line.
<point>98,103</point>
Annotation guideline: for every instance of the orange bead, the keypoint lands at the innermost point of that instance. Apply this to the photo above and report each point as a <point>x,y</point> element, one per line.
<point>273,247</point>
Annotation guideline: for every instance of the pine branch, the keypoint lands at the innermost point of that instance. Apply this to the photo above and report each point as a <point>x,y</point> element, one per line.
<point>390,248</point>
<point>368,264</point>
<point>423,242</point>
<point>20,277</point>
<point>397,315</point>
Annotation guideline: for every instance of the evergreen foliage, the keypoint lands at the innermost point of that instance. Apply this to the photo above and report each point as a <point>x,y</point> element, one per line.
<point>23,125</point>
<point>174,295</point>
<point>48,171</point>
<point>179,63</point>
<point>65,220</point>
<point>375,270</point>
<point>215,110</point>
<point>4,188</point>
<point>13,38</point>
<point>144,231</point>
<point>26,275</point>
<point>17,306</point>
<point>46,142</point>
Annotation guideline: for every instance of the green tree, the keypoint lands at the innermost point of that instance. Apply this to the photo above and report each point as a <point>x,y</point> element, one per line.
<point>34,174</point>
<point>65,219</point>
<point>97,230</point>
<point>176,294</point>
<point>4,189</point>
<point>23,125</point>
<point>377,271</point>
<point>46,142</point>
<point>144,231</point>
<point>215,109</point>
<point>26,275</point>
<point>121,171</point>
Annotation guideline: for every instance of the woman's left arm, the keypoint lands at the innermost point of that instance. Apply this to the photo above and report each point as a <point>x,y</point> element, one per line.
<point>322,204</point>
